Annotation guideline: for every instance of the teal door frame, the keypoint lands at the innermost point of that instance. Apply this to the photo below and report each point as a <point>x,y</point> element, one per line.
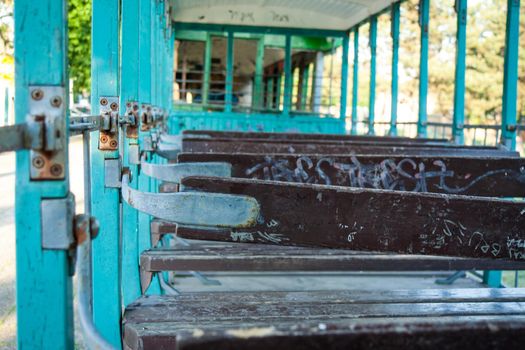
<point>105,202</point>
<point>44,294</point>
<point>129,95</point>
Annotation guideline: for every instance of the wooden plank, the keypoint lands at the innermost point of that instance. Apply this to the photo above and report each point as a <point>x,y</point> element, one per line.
<point>257,257</point>
<point>460,332</point>
<point>304,136</point>
<point>189,141</point>
<point>487,176</point>
<point>374,220</point>
<point>308,147</point>
<point>248,320</point>
<point>278,308</point>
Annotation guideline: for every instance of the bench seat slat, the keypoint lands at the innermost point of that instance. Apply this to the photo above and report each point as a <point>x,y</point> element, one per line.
<point>333,318</point>
<point>257,257</point>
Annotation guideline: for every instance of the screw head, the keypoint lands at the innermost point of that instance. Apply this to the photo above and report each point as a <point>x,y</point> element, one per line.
<point>38,162</point>
<point>104,101</point>
<point>113,144</point>
<point>56,169</point>
<point>114,106</point>
<point>103,139</point>
<point>56,101</point>
<point>37,94</point>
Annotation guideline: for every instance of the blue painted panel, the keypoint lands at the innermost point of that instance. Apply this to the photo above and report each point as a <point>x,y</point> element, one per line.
<point>129,92</point>
<point>43,286</point>
<point>256,122</point>
<point>105,201</point>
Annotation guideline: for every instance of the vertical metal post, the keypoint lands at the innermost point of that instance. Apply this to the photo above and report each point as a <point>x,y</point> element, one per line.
<point>287,103</point>
<point>278,83</point>
<point>355,81</point>
<point>459,86</point>
<point>145,98</point>
<point>207,71</point>
<point>344,78</point>
<point>229,73</point>
<point>105,202</point>
<point>372,98</point>
<point>510,77</point>
<point>304,87</point>
<point>492,278</point>
<point>424,10</point>
<point>129,94</point>
<point>43,285</point>
<point>394,32</point>
<point>318,82</point>
<point>257,100</point>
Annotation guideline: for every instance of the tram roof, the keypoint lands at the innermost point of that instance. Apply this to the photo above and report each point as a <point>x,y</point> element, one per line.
<point>337,15</point>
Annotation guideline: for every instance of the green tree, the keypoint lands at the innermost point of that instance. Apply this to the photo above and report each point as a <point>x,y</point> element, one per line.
<point>79,51</point>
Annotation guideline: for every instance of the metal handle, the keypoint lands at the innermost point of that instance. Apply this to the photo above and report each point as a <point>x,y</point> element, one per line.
<point>194,208</point>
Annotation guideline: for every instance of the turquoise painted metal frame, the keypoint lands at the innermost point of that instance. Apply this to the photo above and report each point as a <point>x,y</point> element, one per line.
<point>105,202</point>
<point>459,85</point>
<point>355,82</point>
<point>510,75</point>
<point>394,32</point>
<point>44,293</point>
<point>424,16</point>
<point>129,92</point>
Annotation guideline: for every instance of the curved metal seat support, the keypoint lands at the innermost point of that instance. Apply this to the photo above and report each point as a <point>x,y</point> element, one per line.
<point>194,208</point>
<point>175,172</point>
<point>168,150</point>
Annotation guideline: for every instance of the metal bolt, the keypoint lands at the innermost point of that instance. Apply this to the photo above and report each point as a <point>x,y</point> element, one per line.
<point>94,226</point>
<point>128,104</point>
<point>104,101</point>
<point>56,169</point>
<point>114,106</point>
<point>113,144</point>
<point>38,162</point>
<point>56,101</point>
<point>37,94</point>
<point>103,139</point>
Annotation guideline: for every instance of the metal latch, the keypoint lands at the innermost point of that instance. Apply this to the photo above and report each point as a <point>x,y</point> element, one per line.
<point>46,128</point>
<point>146,117</point>
<point>109,114</point>
<point>61,228</point>
<point>131,119</point>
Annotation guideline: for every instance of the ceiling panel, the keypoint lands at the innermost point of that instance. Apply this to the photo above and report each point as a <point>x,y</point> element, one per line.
<point>309,14</point>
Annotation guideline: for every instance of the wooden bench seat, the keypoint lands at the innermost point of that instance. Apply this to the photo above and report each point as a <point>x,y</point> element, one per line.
<point>371,319</point>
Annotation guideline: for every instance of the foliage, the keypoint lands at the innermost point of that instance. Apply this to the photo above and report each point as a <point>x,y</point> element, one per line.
<point>79,22</point>
<point>485,57</point>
